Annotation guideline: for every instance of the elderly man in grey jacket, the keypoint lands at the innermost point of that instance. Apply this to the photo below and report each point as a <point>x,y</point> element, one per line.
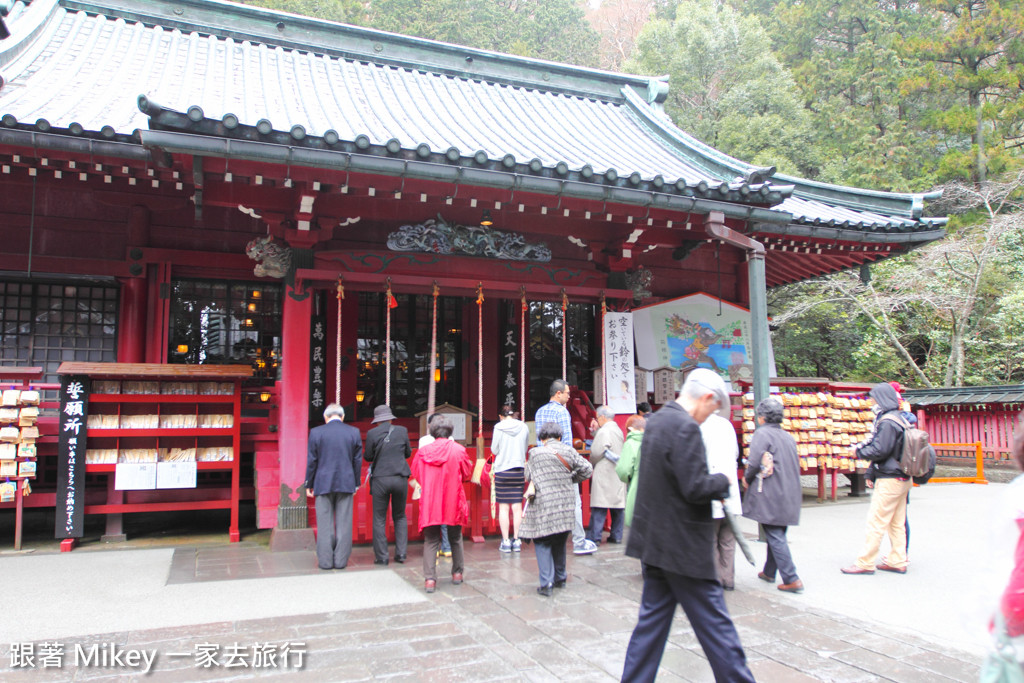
<point>607,491</point>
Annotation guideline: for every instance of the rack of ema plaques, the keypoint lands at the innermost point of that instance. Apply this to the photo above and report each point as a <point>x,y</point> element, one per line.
<point>20,436</point>
<point>151,430</point>
<point>827,419</point>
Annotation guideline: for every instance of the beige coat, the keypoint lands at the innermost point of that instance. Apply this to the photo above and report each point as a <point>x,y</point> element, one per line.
<point>606,489</point>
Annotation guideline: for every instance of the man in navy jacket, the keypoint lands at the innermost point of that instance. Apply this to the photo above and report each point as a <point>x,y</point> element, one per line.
<point>333,466</point>
<point>672,535</point>
<point>888,512</point>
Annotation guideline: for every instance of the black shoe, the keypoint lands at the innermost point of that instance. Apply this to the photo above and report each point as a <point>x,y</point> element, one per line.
<point>383,562</point>
<point>546,591</point>
<point>400,559</point>
<point>614,540</point>
<point>559,584</point>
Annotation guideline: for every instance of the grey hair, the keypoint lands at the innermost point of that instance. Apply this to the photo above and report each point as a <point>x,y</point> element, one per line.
<point>605,411</point>
<point>333,410</point>
<point>441,427</point>
<point>549,430</point>
<point>770,409</point>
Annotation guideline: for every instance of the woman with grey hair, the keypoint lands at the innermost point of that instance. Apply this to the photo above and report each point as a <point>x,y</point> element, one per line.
<point>553,471</point>
<point>774,494</point>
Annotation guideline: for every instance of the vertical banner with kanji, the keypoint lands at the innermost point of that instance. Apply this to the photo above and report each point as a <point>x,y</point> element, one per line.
<point>508,365</point>
<point>317,364</point>
<point>74,413</point>
<point>618,357</point>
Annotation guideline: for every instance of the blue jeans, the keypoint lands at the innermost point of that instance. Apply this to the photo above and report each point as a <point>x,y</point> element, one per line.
<point>597,517</point>
<point>551,557</point>
<point>446,546</point>
<point>704,605</point>
<point>778,558</point>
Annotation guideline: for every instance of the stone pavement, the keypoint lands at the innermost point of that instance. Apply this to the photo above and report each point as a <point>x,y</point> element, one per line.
<point>495,626</point>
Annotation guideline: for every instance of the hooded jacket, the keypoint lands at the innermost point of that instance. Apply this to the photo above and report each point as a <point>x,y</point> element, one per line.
<point>509,443</point>
<point>885,446</point>
<point>440,468</point>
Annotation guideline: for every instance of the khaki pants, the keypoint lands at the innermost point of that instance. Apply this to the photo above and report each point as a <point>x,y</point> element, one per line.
<point>888,514</point>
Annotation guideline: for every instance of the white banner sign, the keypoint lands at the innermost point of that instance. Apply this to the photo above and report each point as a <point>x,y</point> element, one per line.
<point>620,394</point>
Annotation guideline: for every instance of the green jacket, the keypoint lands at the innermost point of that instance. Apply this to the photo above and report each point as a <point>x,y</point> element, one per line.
<point>628,468</point>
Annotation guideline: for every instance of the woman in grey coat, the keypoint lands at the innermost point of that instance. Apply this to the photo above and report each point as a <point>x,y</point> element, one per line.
<point>553,471</point>
<point>774,494</point>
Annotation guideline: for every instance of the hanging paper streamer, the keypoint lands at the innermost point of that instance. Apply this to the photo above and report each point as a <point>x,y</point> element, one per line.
<point>337,352</point>
<point>565,307</point>
<point>433,356</point>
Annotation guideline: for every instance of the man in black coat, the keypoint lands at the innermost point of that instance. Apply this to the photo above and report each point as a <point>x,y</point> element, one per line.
<point>388,448</point>
<point>673,536</point>
<point>889,499</point>
<point>333,465</point>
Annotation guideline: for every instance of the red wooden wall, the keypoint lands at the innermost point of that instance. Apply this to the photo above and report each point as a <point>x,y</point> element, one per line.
<point>991,425</point>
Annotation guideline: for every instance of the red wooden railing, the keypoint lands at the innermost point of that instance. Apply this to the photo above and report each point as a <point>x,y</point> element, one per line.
<point>962,427</point>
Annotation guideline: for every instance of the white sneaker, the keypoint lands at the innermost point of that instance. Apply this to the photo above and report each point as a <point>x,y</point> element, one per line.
<point>506,546</point>
<point>587,548</point>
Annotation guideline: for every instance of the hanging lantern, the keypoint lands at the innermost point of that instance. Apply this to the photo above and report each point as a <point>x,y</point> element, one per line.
<point>437,374</point>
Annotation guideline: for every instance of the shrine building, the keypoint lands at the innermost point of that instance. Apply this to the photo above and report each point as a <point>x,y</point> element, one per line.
<point>200,182</point>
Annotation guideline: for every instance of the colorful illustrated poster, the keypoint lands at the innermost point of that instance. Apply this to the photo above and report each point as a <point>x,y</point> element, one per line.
<point>696,331</point>
<point>618,358</point>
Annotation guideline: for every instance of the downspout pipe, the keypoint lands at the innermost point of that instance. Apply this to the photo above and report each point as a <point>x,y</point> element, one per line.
<point>714,226</point>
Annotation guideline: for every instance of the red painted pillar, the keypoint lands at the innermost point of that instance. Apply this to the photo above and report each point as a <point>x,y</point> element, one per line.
<point>131,336</point>
<point>292,531</point>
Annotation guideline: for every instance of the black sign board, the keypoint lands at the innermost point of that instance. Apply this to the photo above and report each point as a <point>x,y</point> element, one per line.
<point>318,393</point>
<point>74,413</point>
<point>508,365</point>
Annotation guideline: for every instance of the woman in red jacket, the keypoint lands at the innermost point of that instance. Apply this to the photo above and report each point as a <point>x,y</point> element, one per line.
<point>440,468</point>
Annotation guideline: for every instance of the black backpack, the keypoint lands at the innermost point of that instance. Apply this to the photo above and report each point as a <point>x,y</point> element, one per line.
<point>918,457</point>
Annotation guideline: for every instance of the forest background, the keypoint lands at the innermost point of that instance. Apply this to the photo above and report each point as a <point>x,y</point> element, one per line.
<point>890,95</point>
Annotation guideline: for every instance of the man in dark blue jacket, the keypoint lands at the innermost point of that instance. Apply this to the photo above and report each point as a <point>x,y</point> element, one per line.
<point>889,500</point>
<point>672,535</point>
<point>333,466</point>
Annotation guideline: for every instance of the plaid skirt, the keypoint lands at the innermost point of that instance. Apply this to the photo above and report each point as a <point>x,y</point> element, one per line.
<point>508,486</point>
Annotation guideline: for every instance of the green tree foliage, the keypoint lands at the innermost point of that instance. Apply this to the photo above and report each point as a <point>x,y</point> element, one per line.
<point>555,30</point>
<point>976,61</point>
<point>727,89</point>
<point>345,11</point>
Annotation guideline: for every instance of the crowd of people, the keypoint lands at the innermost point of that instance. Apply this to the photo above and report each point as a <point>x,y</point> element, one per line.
<point>669,486</point>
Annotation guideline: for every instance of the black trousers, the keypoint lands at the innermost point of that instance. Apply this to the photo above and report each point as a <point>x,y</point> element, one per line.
<point>393,491</point>
<point>704,605</point>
